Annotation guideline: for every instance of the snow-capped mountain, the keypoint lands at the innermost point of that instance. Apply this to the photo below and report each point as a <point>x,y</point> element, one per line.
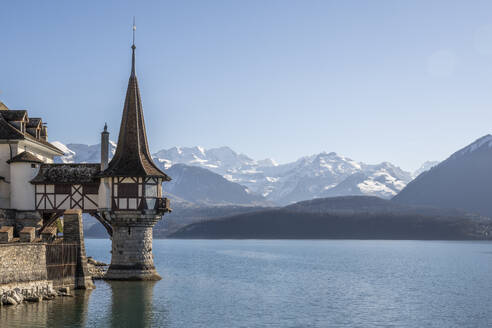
<point>80,153</point>
<point>383,180</point>
<point>319,175</point>
<point>483,144</point>
<point>219,160</point>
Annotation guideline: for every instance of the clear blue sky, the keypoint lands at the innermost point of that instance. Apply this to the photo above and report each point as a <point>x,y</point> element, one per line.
<point>399,81</point>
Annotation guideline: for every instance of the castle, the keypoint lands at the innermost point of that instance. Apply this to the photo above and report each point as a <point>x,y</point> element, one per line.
<point>125,194</point>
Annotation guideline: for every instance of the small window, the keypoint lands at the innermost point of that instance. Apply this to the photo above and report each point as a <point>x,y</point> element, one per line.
<point>33,165</point>
<point>128,190</point>
<point>62,189</point>
<point>92,189</point>
<point>150,190</point>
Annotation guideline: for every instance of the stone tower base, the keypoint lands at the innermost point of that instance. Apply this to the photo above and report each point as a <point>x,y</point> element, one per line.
<point>131,257</point>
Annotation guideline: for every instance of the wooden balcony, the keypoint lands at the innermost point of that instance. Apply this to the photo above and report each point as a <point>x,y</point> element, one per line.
<point>163,204</point>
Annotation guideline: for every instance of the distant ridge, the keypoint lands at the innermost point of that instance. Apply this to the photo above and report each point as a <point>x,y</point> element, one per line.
<point>463,181</point>
<point>356,217</point>
<point>201,186</point>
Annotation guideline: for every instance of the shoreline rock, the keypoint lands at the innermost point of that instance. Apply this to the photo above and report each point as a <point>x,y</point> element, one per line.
<point>17,296</point>
<point>94,262</point>
<point>96,268</point>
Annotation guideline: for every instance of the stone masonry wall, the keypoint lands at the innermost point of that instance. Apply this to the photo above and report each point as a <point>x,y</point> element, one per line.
<point>22,262</point>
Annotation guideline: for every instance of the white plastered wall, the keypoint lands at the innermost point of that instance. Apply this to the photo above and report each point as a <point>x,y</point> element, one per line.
<point>104,194</point>
<point>5,172</point>
<point>21,190</point>
<point>39,151</point>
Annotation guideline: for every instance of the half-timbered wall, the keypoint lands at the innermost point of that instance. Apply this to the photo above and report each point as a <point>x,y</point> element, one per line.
<point>135,192</point>
<point>67,196</point>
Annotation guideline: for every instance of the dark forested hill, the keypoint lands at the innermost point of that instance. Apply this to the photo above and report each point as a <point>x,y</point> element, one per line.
<point>357,217</point>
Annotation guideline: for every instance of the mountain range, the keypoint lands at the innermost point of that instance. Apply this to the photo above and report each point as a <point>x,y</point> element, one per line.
<point>239,179</point>
<point>241,197</point>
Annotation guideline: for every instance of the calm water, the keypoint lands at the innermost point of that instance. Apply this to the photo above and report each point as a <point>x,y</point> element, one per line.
<point>285,284</point>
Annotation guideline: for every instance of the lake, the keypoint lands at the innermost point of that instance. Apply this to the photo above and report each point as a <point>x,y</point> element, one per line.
<point>285,283</point>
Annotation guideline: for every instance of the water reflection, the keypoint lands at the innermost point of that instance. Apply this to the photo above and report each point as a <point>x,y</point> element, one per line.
<point>112,304</point>
<point>132,305</point>
<point>61,312</point>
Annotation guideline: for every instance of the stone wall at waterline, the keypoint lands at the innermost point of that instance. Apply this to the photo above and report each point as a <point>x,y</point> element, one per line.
<point>23,273</point>
<point>22,262</point>
<point>32,271</point>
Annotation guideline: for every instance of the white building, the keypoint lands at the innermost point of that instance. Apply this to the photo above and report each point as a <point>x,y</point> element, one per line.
<point>24,147</point>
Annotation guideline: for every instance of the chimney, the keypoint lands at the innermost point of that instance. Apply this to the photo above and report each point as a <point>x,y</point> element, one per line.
<point>44,132</point>
<point>104,148</point>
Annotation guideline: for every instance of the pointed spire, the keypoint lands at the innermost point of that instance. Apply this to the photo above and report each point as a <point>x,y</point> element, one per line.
<point>132,156</point>
<point>134,28</point>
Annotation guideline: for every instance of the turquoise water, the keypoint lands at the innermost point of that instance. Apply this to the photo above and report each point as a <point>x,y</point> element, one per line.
<point>227,283</point>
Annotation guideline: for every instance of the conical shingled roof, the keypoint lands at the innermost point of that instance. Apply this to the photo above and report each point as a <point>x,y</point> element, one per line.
<point>25,156</point>
<point>132,157</point>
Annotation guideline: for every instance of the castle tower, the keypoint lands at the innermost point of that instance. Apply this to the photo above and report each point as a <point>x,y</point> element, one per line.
<point>133,184</point>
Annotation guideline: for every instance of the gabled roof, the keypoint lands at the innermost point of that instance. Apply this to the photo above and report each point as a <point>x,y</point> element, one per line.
<point>84,173</point>
<point>2,106</point>
<point>10,132</point>
<point>34,122</point>
<point>132,156</point>
<point>25,156</point>
<point>14,115</point>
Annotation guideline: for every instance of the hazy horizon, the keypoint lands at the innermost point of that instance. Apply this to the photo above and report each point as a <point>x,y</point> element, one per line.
<point>386,81</point>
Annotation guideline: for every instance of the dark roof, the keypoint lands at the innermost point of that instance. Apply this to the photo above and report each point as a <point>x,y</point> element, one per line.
<point>10,132</point>
<point>25,156</point>
<point>33,122</point>
<point>68,173</point>
<point>14,115</point>
<point>132,156</point>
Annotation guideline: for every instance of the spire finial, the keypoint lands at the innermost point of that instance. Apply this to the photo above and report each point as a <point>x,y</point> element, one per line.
<point>105,127</point>
<point>134,28</point>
